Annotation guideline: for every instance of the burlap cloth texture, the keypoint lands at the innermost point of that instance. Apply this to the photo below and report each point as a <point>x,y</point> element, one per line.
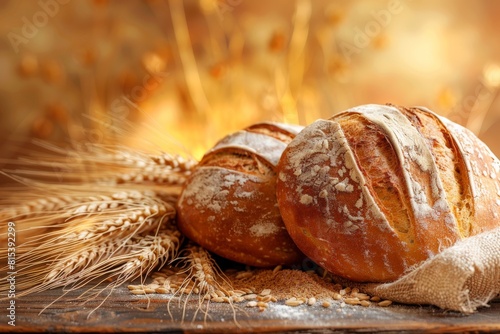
<point>460,278</point>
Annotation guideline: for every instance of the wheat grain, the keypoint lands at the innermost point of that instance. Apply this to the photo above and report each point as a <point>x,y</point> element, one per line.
<point>262,304</point>
<point>265,292</point>
<point>352,301</point>
<point>248,290</point>
<point>218,299</point>
<point>244,274</point>
<point>266,298</point>
<point>237,299</point>
<point>365,303</point>
<point>311,301</point>
<point>252,303</point>
<point>250,296</point>
<point>293,302</point>
<point>361,296</point>
<point>277,268</point>
<point>384,303</point>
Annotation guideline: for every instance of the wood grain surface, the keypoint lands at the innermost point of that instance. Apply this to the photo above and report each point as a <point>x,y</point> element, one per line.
<point>123,312</point>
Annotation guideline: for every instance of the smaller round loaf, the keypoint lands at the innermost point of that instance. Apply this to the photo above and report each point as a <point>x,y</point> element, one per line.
<point>377,189</point>
<point>228,205</point>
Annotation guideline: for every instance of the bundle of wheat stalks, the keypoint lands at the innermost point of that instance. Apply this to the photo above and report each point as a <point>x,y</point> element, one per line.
<point>106,215</point>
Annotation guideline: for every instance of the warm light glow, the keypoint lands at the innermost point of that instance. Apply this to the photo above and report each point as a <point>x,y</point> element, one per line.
<point>492,75</point>
<point>197,70</point>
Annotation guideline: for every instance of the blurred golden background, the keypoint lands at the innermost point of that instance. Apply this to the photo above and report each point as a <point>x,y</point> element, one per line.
<point>182,74</point>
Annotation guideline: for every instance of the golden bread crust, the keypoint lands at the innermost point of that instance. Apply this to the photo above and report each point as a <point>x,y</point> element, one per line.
<point>377,189</point>
<point>228,204</point>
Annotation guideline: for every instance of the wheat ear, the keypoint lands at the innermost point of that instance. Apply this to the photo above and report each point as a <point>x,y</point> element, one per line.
<point>104,227</point>
<point>141,255</point>
<point>135,258</point>
<point>202,276</point>
<point>195,274</point>
<point>105,164</point>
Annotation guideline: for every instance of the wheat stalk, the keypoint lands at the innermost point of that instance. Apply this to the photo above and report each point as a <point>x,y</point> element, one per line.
<point>141,255</point>
<point>150,252</point>
<point>35,207</point>
<point>83,259</point>
<point>88,223</point>
<point>202,276</point>
<point>93,212</point>
<point>88,238</point>
<point>98,163</point>
<point>202,270</point>
<point>137,167</point>
<point>195,273</point>
<point>113,261</point>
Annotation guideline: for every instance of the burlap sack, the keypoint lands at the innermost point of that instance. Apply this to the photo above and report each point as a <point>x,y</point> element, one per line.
<point>461,278</point>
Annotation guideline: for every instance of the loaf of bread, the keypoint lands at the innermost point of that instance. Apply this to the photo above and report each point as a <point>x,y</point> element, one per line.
<point>228,205</point>
<point>377,189</point>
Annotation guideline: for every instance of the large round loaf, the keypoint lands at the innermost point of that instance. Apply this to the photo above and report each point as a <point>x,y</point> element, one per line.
<point>228,205</point>
<point>377,189</point>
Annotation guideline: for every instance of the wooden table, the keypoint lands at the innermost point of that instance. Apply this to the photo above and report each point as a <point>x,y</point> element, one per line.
<point>123,312</point>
